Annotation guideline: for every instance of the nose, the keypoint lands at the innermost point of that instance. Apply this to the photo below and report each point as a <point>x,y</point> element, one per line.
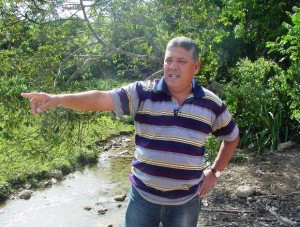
<point>173,65</point>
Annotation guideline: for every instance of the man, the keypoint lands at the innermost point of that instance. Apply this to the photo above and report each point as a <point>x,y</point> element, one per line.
<point>173,117</point>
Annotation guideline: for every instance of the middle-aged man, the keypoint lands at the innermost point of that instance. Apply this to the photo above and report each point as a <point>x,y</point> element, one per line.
<point>173,117</point>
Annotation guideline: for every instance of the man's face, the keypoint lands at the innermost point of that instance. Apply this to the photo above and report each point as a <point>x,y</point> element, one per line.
<point>179,69</point>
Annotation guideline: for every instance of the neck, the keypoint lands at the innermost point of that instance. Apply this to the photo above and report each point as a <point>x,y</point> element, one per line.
<point>181,96</point>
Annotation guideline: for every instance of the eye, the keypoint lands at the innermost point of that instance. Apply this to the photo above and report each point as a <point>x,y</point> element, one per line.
<point>168,60</point>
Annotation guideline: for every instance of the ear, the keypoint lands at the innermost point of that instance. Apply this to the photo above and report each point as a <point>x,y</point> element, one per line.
<point>197,66</point>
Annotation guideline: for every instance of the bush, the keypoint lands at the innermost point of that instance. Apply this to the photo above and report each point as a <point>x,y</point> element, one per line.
<point>257,105</point>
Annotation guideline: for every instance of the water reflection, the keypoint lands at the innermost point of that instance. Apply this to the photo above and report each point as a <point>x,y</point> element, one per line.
<point>63,204</point>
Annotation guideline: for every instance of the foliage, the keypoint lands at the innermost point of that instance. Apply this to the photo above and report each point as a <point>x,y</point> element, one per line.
<point>212,146</point>
<point>62,46</point>
<point>253,96</point>
<point>30,145</point>
<point>288,46</point>
<point>257,22</point>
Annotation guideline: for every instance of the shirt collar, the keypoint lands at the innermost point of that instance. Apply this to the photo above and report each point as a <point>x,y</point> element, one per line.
<point>197,89</point>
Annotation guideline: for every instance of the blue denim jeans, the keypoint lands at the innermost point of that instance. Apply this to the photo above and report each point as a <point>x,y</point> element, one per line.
<point>141,213</point>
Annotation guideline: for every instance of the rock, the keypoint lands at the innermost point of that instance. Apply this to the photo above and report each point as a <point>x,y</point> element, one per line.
<point>53,181</point>
<point>27,186</point>
<point>204,202</point>
<point>88,208</point>
<point>46,184</point>
<point>120,198</point>
<point>57,174</point>
<point>101,210</point>
<point>285,146</point>
<point>245,191</point>
<point>259,173</point>
<point>71,176</point>
<point>25,194</point>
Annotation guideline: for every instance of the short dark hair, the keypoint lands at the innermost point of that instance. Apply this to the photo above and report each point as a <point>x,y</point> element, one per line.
<point>187,44</point>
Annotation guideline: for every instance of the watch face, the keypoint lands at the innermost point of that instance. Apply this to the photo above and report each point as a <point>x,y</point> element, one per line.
<point>216,172</point>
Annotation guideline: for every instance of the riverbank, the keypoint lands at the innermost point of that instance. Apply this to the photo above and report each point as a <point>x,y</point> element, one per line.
<point>91,196</point>
<point>273,177</point>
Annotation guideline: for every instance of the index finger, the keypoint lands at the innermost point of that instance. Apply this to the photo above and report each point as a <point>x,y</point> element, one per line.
<point>30,95</point>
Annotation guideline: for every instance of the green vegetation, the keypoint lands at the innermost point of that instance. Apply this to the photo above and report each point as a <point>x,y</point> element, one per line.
<point>250,47</point>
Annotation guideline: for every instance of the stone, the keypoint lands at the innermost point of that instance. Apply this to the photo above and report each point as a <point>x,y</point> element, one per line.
<point>57,174</point>
<point>53,181</point>
<point>88,208</point>
<point>25,194</point>
<point>285,146</point>
<point>259,173</point>
<point>101,210</point>
<point>120,198</point>
<point>245,191</point>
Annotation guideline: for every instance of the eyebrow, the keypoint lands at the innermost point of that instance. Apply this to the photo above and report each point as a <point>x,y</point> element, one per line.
<point>180,58</point>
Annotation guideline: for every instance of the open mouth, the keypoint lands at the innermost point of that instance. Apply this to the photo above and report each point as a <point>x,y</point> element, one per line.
<point>174,76</point>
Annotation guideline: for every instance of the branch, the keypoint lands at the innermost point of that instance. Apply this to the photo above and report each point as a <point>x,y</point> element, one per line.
<point>75,73</point>
<point>65,59</point>
<point>114,49</point>
<point>271,195</point>
<point>155,75</point>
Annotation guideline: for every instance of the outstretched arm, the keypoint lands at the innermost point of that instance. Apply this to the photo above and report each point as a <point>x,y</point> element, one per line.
<point>86,101</point>
<point>225,153</point>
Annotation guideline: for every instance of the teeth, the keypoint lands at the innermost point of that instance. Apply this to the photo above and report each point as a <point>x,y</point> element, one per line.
<point>174,76</point>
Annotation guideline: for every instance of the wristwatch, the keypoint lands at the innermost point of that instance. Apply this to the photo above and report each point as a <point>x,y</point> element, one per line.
<point>216,172</point>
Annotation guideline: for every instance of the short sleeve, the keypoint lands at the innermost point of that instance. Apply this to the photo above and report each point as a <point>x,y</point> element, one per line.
<point>126,99</point>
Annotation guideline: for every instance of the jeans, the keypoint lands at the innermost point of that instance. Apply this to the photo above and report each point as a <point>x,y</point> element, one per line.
<point>141,213</point>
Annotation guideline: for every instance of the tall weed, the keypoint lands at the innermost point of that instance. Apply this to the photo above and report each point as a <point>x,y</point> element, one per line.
<point>257,104</point>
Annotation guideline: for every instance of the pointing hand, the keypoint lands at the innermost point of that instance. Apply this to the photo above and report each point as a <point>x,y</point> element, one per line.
<point>40,102</point>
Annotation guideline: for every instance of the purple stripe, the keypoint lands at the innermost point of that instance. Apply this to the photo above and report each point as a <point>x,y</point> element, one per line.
<point>157,97</point>
<point>171,173</point>
<point>176,194</point>
<point>226,130</point>
<point>169,146</point>
<point>178,121</point>
<point>124,100</point>
<point>210,105</point>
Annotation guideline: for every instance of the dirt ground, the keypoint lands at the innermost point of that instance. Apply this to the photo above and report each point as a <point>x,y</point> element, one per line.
<point>276,201</point>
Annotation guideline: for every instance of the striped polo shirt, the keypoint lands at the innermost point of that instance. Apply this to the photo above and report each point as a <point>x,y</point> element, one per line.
<point>168,163</point>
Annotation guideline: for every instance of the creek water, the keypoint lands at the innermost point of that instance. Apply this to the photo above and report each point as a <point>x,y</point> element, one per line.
<point>64,203</point>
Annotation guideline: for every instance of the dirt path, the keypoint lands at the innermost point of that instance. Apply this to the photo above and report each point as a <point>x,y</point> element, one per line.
<point>276,202</point>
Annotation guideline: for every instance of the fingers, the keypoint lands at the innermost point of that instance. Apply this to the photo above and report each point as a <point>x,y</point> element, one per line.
<point>33,95</point>
<point>34,105</point>
<point>204,189</point>
<point>207,183</point>
<point>38,102</point>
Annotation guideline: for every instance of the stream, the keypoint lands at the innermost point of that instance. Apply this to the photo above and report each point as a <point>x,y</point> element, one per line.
<point>84,198</point>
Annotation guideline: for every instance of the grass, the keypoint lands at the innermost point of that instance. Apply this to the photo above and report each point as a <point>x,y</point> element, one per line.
<point>31,147</point>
